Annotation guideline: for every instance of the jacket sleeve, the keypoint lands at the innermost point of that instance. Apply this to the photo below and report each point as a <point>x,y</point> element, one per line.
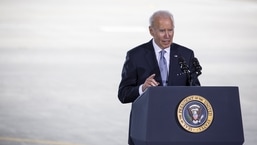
<point>128,87</point>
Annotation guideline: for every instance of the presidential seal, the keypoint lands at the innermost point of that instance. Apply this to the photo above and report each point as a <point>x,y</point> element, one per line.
<point>195,114</point>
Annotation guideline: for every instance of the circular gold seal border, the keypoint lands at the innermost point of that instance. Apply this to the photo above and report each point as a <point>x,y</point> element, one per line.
<point>208,121</point>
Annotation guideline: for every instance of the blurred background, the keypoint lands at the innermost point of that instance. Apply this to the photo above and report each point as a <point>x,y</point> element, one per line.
<point>61,60</point>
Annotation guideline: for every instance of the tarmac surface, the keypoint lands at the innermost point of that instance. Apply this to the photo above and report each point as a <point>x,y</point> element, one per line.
<point>60,63</point>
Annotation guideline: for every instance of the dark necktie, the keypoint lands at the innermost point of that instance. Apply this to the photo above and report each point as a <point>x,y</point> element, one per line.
<point>163,67</point>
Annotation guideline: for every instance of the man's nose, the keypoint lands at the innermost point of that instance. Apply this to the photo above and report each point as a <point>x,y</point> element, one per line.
<point>167,34</point>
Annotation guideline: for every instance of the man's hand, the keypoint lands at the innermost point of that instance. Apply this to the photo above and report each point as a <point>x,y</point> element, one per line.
<point>150,82</point>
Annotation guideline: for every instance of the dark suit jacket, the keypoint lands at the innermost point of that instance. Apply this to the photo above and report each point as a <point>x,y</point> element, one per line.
<point>141,62</point>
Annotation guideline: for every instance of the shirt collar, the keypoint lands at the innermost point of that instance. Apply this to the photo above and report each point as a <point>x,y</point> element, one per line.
<point>157,49</point>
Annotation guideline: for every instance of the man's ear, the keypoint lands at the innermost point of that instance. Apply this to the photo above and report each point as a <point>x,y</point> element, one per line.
<point>151,30</point>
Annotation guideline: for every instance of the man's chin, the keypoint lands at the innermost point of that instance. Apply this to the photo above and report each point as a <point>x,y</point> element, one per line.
<point>166,45</point>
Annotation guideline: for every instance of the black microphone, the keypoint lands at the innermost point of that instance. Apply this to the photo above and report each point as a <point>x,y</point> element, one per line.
<point>183,66</point>
<point>197,66</point>
<point>185,69</point>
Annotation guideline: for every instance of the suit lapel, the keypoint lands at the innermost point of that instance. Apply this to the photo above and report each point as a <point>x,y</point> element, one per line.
<point>173,68</point>
<point>152,61</point>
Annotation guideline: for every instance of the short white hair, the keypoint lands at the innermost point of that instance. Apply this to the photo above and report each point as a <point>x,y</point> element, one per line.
<point>160,13</point>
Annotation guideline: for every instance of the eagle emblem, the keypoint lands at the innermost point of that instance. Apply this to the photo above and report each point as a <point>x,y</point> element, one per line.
<point>195,113</point>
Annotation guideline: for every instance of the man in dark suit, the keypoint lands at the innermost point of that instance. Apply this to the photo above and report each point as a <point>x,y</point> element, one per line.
<point>141,69</point>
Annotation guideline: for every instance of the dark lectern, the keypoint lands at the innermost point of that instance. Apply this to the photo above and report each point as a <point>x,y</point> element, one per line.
<point>154,118</point>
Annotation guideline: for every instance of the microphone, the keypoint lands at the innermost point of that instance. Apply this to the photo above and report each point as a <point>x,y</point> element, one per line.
<point>197,66</point>
<point>197,71</point>
<point>183,66</point>
<point>185,69</point>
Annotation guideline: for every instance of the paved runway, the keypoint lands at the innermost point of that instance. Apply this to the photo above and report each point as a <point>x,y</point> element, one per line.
<point>60,63</point>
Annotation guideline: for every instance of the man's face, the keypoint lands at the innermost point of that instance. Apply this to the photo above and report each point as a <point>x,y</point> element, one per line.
<point>162,31</point>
